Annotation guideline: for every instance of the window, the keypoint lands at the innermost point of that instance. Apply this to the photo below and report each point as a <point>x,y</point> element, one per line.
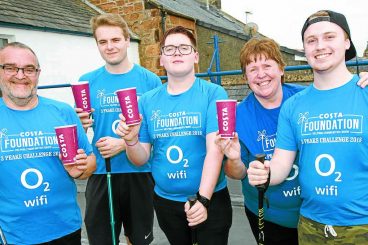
<point>3,41</point>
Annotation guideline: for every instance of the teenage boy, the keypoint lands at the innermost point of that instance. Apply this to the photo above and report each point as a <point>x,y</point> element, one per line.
<point>178,132</point>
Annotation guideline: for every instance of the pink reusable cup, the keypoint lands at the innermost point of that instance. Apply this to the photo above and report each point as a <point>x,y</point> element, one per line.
<point>68,143</point>
<point>81,95</point>
<point>226,115</point>
<point>129,105</point>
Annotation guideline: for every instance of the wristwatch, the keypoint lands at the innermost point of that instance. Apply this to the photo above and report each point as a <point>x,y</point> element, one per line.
<point>205,201</point>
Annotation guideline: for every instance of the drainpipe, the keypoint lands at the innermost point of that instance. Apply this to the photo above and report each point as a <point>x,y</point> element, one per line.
<point>163,26</point>
<point>163,20</point>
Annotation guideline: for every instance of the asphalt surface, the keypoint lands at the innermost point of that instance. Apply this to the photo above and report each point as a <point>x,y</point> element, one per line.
<point>240,233</point>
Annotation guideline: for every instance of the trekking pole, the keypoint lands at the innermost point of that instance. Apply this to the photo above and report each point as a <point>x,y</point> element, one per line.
<point>261,192</point>
<point>111,204</point>
<point>2,236</point>
<point>192,200</point>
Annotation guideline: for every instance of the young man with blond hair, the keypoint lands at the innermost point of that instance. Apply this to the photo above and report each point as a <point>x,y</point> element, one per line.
<point>132,186</point>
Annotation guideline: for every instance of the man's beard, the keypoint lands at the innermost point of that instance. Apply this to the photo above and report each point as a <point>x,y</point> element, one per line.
<point>17,100</point>
<point>23,101</point>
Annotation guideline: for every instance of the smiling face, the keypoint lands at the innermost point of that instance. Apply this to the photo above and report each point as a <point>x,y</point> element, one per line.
<point>18,90</point>
<point>325,44</point>
<point>264,77</point>
<point>179,65</point>
<point>112,44</point>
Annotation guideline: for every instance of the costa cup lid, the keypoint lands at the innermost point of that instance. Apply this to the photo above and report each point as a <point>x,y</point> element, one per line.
<point>338,19</point>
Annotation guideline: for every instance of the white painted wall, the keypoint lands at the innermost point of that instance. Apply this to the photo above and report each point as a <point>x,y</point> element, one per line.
<point>63,57</point>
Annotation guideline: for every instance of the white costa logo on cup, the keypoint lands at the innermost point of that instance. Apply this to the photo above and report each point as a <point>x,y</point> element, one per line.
<point>62,145</point>
<point>84,98</point>
<point>225,119</point>
<point>129,106</point>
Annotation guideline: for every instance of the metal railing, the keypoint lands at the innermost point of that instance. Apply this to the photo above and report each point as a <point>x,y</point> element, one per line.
<point>210,74</point>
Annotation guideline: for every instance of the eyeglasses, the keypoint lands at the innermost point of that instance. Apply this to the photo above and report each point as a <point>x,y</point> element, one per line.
<point>11,70</point>
<point>184,49</point>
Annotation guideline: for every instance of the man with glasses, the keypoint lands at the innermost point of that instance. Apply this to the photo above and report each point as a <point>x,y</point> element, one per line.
<point>38,196</point>
<point>132,186</point>
<point>177,132</point>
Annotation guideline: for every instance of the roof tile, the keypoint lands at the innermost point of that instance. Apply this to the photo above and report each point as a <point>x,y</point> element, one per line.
<point>65,15</point>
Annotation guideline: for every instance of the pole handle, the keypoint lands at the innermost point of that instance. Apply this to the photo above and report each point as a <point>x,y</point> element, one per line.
<point>108,165</point>
<point>192,200</point>
<point>261,158</point>
<point>261,189</point>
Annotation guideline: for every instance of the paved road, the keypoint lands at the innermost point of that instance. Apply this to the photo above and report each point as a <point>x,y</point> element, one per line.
<point>240,233</point>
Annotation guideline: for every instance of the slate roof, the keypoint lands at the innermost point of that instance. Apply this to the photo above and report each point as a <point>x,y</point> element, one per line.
<point>61,16</point>
<point>213,18</point>
<point>292,51</point>
<point>66,16</point>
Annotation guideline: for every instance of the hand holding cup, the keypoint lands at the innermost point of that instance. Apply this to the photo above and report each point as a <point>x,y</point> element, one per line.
<point>129,105</point>
<point>80,166</point>
<point>226,116</point>
<point>82,95</point>
<point>128,133</point>
<point>67,138</point>
<point>229,146</point>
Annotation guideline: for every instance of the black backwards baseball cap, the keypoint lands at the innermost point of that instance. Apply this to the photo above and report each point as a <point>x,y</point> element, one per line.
<point>338,19</point>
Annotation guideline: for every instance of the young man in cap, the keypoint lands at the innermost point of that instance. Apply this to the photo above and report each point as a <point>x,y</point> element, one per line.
<point>330,134</point>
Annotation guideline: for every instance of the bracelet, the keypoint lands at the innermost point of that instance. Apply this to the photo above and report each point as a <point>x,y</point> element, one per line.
<point>133,143</point>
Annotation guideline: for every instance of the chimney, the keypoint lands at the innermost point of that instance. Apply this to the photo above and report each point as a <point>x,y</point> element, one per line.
<point>214,3</point>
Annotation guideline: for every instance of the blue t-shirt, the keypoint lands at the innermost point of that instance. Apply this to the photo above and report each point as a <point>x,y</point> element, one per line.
<point>176,126</point>
<point>330,130</point>
<point>256,127</point>
<point>106,116</point>
<point>38,198</point>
